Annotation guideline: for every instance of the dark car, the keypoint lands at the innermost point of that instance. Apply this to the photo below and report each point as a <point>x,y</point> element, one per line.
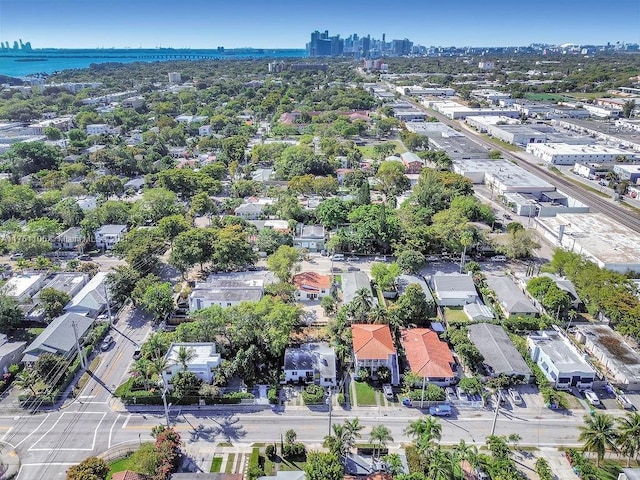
<point>137,354</point>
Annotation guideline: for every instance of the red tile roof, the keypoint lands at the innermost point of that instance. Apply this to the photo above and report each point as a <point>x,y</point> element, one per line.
<point>311,281</point>
<point>372,341</point>
<point>428,356</point>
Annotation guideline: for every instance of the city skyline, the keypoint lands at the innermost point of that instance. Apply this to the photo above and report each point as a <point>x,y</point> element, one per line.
<point>285,24</point>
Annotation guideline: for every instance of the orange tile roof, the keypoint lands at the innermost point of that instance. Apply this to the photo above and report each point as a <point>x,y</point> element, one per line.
<point>372,341</point>
<point>311,281</point>
<point>428,356</point>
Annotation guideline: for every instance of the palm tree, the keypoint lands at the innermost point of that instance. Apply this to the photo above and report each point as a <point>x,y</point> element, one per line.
<point>598,434</point>
<point>27,378</point>
<point>465,453</point>
<point>629,435</point>
<point>424,431</point>
<point>142,368</point>
<point>378,315</point>
<point>352,431</point>
<point>466,240</point>
<point>440,465</point>
<point>380,434</point>
<point>361,304</point>
<point>185,355</point>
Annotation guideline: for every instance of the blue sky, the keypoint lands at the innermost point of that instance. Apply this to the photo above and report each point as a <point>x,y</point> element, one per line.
<point>288,23</point>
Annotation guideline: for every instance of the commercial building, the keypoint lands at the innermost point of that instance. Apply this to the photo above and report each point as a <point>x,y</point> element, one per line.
<point>561,362</point>
<point>458,147</point>
<point>490,95</point>
<point>619,134</point>
<point>310,363</point>
<point>596,236</point>
<point>630,173</point>
<point>613,352</point>
<point>457,111</point>
<point>203,361</point>
<point>517,134</point>
<point>500,356</point>
<point>566,154</point>
<point>174,77</point>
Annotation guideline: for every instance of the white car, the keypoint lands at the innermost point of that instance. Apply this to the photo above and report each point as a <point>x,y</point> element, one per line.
<point>338,257</point>
<point>498,258</point>
<point>515,397</point>
<point>592,398</point>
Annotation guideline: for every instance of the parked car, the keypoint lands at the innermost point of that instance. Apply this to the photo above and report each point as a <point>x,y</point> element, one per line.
<point>515,396</point>
<point>337,257</point>
<point>84,257</point>
<point>592,397</point>
<point>137,354</point>
<point>451,393</point>
<point>352,258</point>
<point>388,391</point>
<point>440,411</point>
<point>352,269</point>
<point>380,259</point>
<point>624,402</point>
<point>499,258</point>
<point>16,256</point>
<point>106,343</point>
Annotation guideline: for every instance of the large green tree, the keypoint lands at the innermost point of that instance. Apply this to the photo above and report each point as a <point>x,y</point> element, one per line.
<point>283,261</point>
<point>598,434</point>
<point>192,247</point>
<point>11,315</point>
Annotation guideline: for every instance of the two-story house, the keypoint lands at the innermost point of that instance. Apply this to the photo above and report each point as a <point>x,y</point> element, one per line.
<point>310,363</point>
<point>108,235</point>
<point>373,348</point>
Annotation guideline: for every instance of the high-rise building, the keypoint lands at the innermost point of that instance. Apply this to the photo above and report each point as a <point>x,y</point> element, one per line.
<point>366,45</point>
<point>175,77</point>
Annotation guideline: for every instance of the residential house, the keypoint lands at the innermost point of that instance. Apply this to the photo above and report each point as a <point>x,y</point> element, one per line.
<point>98,129</point>
<point>67,282</point>
<point>311,237</point>
<point>22,287</point>
<point>353,282</point>
<point>312,286</point>
<point>68,240</point>
<point>629,474</point>
<point>567,286</point>
<point>428,356</point>
<point>225,292</point>
<point>59,337</point>
<point>373,348</point>
<point>341,174</point>
<point>412,162</point>
<point>310,363</point>
<point>286,475</point>
<point>92,299</point>
<point>453,289</point>
<point>500,355</point>
<point>249,211</point>
<point>478,312</point>
<point>108,235</point>
<point>203,362</point>
<point>87,203</point>
<point>204,130</point>
<point>134,184</point>
<point>561,362</point>
<point>10,353</point>
<point>512,301</point>
<point>403,281</point>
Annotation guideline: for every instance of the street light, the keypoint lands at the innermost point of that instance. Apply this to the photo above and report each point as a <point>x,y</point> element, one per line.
<point>165,389</point>
<point>330,403</point>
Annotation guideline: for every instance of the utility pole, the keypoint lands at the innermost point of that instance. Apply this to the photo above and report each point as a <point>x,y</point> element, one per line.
<point>164,401</point>
<point>106,296</point>
<point>495,416</point>
<point>83,361</point>
<point>330,403</point>
<point>424,384</point>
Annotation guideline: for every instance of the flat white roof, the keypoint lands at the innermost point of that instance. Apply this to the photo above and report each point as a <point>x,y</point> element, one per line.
<point>503,172</point>
<point>569,149</point>
<point>19,284</point>
<point>598,235</point>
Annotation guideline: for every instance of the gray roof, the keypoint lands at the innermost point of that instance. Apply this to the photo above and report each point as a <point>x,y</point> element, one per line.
<point>217,294</point>
<point>563,284</point>
<point>319,357</point>
<point>70,234</point>
<point>632,473</point>
<point>10,348</point>
<point>352,282</point>
<point>497,349</point>
<point>403,281</point>
<point>250,208</point>
<point>92,296</point>
<point>312,231</point>
<point>563,355</point>
<point>59,336</point>
<point>135,183</point>
<point>510,296</point>
<point>448,285</point>
<point>111,229</point>
<point>478,311</point>
<point>285,475</point>
<point>67,282</point>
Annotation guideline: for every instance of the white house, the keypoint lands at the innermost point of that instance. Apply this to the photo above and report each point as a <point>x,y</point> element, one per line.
<point>225,293</point>
<point>249,211</point>
<point>87,203</point>
<point>22,287</point>
<point>98,129</point>
<point>454,290</point>
<point>561,362</point>
<point>92,299</point>
<point>311,286</point>
<point>108,235</point>
<point>373,348</point>
<point>310,363</point>
<point>204,130</point>
<point>202,362</point>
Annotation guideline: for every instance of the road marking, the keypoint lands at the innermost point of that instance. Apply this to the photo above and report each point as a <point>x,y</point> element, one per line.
<point>8,431</point>
<point>111,429</point>
<point>124,425</point>
<point>34,431</point>
<point>93,445</point>
<point>86,396</point>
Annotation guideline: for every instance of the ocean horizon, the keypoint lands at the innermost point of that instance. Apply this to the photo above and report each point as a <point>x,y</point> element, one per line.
<point>47,61</point>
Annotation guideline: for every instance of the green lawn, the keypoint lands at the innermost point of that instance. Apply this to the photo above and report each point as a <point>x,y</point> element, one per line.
<point>455,315</point>
<point>216,464</point>
<point>230,463</point>
<point>365,394</point>
<point>120,466</point>
<point>368,151</point>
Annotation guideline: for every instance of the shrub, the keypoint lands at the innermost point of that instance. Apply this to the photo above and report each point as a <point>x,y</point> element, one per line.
<point>294,451</point>
<point>313,395</point>
<point>272,395</point>
<point>363,375</point>
<point>342,400</point>
<point>270,451</point>
<point>543,470</point>
<point>14,369</point>
<point>432,393</point>
<point>471,385</point>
